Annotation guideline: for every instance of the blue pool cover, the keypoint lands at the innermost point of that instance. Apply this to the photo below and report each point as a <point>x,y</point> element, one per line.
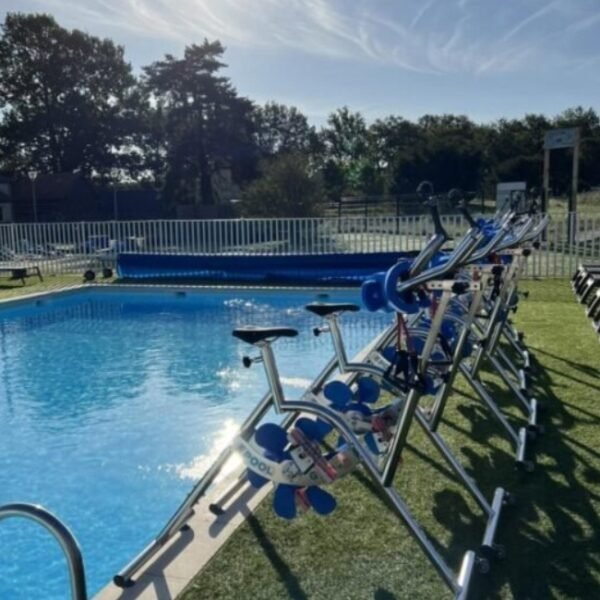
<point>309,269</point>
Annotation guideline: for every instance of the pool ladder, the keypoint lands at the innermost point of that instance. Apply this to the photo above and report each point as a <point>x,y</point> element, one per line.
<point>65,538</point>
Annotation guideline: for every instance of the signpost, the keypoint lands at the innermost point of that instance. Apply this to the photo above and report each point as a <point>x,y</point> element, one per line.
<point>553,140</point>
<point>505,191</point>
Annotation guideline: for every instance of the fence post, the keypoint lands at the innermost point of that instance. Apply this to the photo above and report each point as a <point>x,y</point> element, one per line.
<point>13,236</point>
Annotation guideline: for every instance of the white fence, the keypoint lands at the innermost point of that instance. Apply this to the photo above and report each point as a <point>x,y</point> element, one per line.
<point>59,248</point>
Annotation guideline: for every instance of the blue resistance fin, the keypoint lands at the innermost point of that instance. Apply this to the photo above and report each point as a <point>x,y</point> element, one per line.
<point>338,393</point>
<point>284,501</point>
<point>368,390</point>
<point>271,437</point>
<point>314,430</point>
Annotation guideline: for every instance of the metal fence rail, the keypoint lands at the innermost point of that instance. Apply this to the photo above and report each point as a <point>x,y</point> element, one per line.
<point>60,248</point>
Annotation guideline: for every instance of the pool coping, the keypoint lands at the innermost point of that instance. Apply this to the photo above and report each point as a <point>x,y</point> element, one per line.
<point>188,552</point>
<point>144,288</point>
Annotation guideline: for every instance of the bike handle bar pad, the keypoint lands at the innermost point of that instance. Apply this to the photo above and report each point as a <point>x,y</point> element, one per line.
<point>425,191</point>
<point>457,196</point>
<point>396,295</point>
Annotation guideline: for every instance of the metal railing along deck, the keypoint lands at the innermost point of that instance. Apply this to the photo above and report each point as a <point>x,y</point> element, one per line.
<point>59,248</point>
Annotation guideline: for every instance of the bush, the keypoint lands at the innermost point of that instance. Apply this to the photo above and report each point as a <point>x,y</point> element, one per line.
<point>285,189</point>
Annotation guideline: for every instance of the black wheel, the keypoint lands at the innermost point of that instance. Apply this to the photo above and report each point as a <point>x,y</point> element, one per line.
<point>122,582</point>
<point>216,510</point>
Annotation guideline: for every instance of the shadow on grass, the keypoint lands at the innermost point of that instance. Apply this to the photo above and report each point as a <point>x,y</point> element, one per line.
<point>553,535</point>
<point>16,286</point>
<point>587,369</point>
<point>550,547</point>
<point>284,572</point>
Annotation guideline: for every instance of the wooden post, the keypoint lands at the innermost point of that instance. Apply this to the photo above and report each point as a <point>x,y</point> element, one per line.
<point>573,196</point>
<point>575,181</point>
<point>546,184</point>
<point>563,138</point>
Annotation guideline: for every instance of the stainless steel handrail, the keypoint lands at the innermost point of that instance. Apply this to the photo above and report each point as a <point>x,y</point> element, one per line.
<point>63,535</point>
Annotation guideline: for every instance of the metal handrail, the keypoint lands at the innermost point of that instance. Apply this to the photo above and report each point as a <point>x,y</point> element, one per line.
<point>62,534</point>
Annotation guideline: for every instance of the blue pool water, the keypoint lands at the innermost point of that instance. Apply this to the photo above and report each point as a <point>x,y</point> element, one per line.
<point>112,405</point>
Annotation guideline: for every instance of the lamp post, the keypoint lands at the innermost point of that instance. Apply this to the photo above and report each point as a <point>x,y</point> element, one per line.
<point>114,174</point>
<point>33,176</point>
<point>383,165</point>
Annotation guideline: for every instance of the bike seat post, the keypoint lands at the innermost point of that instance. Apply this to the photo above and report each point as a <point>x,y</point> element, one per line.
<point>268,359</point>
<point>262,338</point>
<point>331,312</point>
<point>338,342</point>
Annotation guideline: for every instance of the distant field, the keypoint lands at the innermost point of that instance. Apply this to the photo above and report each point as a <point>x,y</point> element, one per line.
<point>588,203</point>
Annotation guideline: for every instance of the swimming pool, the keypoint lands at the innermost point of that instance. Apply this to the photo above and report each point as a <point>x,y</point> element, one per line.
<point>113,403</point>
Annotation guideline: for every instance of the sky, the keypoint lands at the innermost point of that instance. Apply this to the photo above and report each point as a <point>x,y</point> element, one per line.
<point>483,58</point>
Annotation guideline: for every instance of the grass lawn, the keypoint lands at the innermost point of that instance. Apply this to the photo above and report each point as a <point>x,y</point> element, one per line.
<point>12,289</point>
<point>362,551</point>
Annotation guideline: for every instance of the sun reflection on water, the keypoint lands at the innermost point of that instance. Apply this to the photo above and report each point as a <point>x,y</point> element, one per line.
<point>200,464</point>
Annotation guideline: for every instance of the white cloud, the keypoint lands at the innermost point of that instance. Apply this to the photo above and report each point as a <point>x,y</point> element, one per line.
<point>530,18</point>
<point>436,36</point>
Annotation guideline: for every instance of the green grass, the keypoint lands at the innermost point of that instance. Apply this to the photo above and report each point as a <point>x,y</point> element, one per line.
<point>588,204</point>
<point>13,289</point>
<point>362,551</point>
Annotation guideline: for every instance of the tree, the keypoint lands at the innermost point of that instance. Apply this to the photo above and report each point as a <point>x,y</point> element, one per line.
<point>345,136</point>
<point>67,98</point>
<point>281,129</point>
<point>343,150</point>
<point>515,149</point>
<point>287,188</point>
<point>207,126</point>
<point>452,153</point>
<point>399,144</point>
<point>589,126</point>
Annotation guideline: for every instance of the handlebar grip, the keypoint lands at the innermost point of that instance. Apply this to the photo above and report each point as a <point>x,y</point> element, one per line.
<point>456,196</point>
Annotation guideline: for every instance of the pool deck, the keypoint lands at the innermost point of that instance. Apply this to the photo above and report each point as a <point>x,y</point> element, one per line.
<point>179,561</point>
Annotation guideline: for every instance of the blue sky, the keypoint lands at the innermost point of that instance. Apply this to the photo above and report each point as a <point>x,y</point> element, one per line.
<point>482,58</point>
